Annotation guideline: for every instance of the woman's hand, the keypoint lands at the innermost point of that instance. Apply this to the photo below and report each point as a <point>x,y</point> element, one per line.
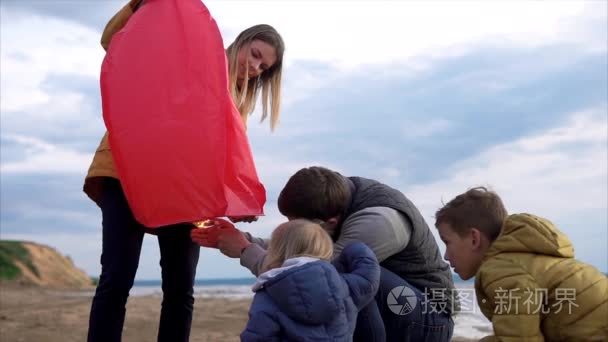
<point>246,219</point>
<point>223,235</point>
<point>205,237</point>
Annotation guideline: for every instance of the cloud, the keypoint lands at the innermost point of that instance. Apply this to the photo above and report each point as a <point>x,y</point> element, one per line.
<point>49,84</point>
<point>372,31</point>
<point>51,202</point>
<point>41,157</point>
<point>34,47</point>
<point>386,31</point>
<point>92,14</point>
<point>531,172</point>
<point>33,72</point>
<point>560,173</point>
<point>421,123</point>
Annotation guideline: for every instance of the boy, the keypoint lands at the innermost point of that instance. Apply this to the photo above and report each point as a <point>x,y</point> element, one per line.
<point>527,282</point>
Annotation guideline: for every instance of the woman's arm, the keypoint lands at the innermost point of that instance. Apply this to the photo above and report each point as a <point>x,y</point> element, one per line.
<point>118,21</point>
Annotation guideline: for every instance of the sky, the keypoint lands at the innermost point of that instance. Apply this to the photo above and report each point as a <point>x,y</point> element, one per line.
<point>430,97</point>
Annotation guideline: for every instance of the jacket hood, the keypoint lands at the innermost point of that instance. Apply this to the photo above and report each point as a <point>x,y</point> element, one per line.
<point>312,293</point>
<point>526,233</point>
<point>263,278</point>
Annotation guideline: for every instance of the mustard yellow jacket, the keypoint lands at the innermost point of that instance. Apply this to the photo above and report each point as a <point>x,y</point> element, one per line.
<point>103,163</point>
<point>532,289</point>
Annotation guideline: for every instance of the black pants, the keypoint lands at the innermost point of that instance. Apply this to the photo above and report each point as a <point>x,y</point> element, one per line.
<point>404,312</point>
<point>122,240</point>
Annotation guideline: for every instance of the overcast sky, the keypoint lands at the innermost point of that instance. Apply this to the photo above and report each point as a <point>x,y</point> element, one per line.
<point>429,97</point>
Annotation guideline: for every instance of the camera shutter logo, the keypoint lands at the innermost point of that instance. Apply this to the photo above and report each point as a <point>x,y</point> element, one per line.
<point>401,300</point>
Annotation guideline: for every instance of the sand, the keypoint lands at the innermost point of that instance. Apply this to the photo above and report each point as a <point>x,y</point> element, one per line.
<point>35,314</point>
<point>29,314</point>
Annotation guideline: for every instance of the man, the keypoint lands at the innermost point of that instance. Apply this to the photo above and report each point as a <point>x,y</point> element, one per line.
<point>415,298</point>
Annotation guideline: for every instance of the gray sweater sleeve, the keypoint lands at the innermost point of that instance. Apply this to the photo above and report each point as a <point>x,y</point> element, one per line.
<point>258,241</point>
<point>384,230</point>
<point>253,256</point>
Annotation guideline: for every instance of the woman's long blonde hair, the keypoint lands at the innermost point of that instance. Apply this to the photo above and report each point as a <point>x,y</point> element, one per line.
<point>297,238</point>
<point>245,95</point>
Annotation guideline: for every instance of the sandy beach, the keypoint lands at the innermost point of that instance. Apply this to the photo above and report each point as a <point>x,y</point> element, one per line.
<point>31,314</point>
<point>34,314</point>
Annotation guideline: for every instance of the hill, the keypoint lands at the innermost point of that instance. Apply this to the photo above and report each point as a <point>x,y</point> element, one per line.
<point>29,263</point>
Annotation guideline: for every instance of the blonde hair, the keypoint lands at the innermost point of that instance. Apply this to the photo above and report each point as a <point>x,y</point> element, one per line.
<point>269,81</point>
<point>297,238</point>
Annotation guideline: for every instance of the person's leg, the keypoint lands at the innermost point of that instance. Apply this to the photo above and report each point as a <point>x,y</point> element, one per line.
<point>370,327</point>
<point>121,246</point>
<point>450,328</point>
<point>179,257</point>
<point>404,315</point>
<point>437,324</point>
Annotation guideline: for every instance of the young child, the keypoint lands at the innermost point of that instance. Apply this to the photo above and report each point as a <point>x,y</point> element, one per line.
<point>527,281</point>
<point>301,296</point>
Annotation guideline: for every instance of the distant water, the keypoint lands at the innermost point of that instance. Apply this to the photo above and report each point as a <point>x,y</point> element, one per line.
<point>232,288</point>
<point>203,282</point>
<point>227,288</point>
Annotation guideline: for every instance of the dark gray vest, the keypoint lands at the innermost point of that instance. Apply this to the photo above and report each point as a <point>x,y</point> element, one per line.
<point>420,262</point>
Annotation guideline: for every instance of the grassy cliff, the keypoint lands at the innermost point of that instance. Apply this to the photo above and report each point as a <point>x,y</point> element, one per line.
<point>34,264</point>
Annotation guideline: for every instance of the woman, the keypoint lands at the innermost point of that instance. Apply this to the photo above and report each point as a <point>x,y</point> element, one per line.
<point>255,63</point>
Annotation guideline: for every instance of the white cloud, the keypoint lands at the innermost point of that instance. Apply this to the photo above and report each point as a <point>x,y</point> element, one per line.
<point>560,173</point>
<point>300,80</point>
<point>349,36</point>
<point>34,47</point>
<point>34,211</point>
<point>43,157</point>
<point>557,172</point>
<point>361,32</point>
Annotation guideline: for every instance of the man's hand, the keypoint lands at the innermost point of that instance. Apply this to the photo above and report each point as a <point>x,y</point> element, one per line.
<point>222,235</point>
<point>232,242</point>
<point>246,219</point>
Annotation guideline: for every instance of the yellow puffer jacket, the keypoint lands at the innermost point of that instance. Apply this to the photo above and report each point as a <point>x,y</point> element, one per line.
<point>532,289</point>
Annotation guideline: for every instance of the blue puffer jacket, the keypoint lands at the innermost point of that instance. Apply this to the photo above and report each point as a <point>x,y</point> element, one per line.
<point>313,302</point>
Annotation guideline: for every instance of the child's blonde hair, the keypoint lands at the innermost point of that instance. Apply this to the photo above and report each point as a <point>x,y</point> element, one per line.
<point>298,238</point>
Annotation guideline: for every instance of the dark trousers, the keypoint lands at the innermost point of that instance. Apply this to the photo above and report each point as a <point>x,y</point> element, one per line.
<point>370,327</point>
<point>406,314</point>
<point>122,241</point>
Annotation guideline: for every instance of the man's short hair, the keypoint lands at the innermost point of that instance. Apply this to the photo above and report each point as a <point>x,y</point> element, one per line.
<point>477,208</point>
<point>314,193</point>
